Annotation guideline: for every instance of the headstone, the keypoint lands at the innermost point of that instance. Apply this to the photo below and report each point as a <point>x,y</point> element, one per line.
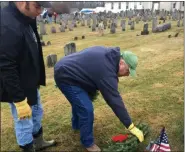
<point>113,28</point>
<point>132,25</point>
<point>123,25</point>
<point>178,23</point>
<point>51,60</point>
<point>53,29</point>
<point>42,28</point>
<point>82,22</point>
<point>101,29</point>
<point>48,43</point>
<point>183,22</point>
<point>137,19</point>
<point>69,48</point>
<point>88,21</point>
<point>163,27</point>
<point>62,28</point>
<point>129,21</point>
<point>154,24</point>
<point>145,29</point>
<point>71,27</point>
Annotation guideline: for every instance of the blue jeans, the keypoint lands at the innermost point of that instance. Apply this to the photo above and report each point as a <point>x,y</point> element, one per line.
<point>25,129</point>
<point>82,112</point>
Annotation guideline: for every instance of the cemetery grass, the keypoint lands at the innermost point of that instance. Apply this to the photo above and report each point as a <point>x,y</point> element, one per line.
<point>154,97</point>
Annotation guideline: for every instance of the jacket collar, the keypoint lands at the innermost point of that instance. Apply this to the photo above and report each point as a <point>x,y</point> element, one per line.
<point>18,14</point>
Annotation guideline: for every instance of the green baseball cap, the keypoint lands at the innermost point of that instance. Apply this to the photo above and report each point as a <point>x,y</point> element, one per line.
<point>132,61</point>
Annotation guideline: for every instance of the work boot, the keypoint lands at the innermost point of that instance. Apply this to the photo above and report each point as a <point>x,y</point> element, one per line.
<point>40,143</point>
<point>94,148</point>
<point>28,148</point>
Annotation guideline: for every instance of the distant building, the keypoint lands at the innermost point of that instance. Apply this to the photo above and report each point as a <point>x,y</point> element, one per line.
<point>156,5</point>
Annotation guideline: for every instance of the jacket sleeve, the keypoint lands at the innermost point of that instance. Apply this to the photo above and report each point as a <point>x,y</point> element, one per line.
<point>109,90</point>
<point>10,47</point>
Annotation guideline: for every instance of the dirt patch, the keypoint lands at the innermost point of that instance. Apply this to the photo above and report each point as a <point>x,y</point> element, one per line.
<point>180,73</point>
<point>158,85</point>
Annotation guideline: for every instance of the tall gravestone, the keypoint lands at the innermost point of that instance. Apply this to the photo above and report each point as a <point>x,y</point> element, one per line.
<point>62,28</point>
<point>42,28</point>
<point>113,28</point>
<point>123,26</point>
<point>154,24</point>
<point>132,26</point>
<point>178,23</point>
<point>129,21</point>
<point>69,48</point>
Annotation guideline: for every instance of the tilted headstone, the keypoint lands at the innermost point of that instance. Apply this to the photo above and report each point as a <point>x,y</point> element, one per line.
<point>145,29</point>
<point>51,60</point>
<point>163,27</point>
<point>53,29</point>
<point>113,28</point>
<point>69,48</point>
<point>132,26</point>
<point>42,28</point>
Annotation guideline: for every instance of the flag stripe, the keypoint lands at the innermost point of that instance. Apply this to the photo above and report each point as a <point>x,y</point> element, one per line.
<point>161,148</point>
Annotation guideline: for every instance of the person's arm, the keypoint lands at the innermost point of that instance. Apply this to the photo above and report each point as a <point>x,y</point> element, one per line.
<point>10,46</point>
<point>109,90</point>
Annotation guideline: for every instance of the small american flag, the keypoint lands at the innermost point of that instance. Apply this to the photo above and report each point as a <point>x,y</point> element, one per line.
<point>161,144</point>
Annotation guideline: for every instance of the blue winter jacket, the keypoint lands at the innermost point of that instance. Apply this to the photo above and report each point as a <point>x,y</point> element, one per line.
<point>95,68</point>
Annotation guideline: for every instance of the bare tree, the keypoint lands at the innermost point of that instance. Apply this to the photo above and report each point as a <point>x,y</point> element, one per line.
<point>61,7</point>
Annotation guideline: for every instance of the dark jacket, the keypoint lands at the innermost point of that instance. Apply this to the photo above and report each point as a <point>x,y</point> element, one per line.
<point>95,68</point>
<point>22,68</point>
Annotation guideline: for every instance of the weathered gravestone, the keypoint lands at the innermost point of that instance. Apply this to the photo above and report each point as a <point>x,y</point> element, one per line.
<point>53,29</point>
<point>62,28</point>
<point>132,25</point>
<point>89,22</point>
<point>42,28</point>
<point>129,21</point>
<point>123,25</point>
<point>69,48</point>
<point>71,27</point>
<point>51,60</point>
<point>154,24</point>
<point>163,27</point>
<point>101,29</point>
<point>145,29</point>
<point>113,28</point>
<point>178,23</point>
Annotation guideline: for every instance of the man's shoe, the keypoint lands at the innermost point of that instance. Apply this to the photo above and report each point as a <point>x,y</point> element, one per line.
<point>94,148</point>
<point>40,143</point>
<point>28,148</point>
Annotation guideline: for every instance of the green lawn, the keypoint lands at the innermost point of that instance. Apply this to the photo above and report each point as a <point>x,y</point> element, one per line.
<point>154,97</point>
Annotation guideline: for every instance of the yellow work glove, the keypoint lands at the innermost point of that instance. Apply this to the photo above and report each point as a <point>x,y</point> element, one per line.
<point>135,131</point>
<point>23,109</point>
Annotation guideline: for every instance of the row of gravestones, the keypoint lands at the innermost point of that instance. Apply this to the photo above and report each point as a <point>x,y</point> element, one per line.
<point>51,59</point>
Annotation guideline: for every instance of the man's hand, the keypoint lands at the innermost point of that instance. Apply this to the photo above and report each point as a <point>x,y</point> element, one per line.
<point>135,131</point>
<point>23,109</point>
